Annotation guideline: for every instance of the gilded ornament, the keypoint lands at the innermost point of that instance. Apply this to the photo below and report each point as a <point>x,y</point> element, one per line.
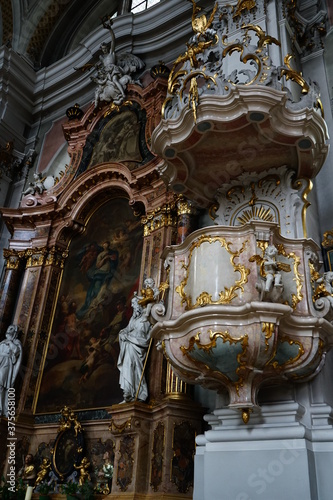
<point>127,425</point>
<point>13,258</point>
<point>114,107</point>
<point>164,216</point>
<point>226,296</point>
<point>250,52</point>
<point>260,260</point>
<point>190,55</point>
<point>56,257</point>
<point>44,470</point>
<point>200,25</point>
<point>296,298</point>
<point>243,5</point>
<point>314,275</point>
<point>195,342</point>
<point>294,75</point>
<point>246,415</point>
<point>256,213</point>
<point>235,189</point>
<point>268,330</point>
<point>291,360</point>
<point>264,39</point>
<point>175,386</point>
<point>193,97</point>
<point>36,256</point>
<point>253,197</point>
<point>306,203</point>
<point>184,206</point>
<point>328,239</point>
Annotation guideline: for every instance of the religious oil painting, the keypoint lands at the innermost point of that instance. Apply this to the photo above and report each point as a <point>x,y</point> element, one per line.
<point>94,303</point>
<point>119,141</point>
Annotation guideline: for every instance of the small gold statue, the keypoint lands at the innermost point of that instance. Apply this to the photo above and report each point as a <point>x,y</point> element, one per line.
<point>83,468</point>
<point>44,470</point>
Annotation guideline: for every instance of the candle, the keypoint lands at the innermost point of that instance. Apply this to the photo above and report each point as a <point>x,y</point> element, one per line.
<point>29,491</point>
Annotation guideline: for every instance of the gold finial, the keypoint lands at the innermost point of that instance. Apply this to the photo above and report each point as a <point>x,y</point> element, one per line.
<point>246,415</point>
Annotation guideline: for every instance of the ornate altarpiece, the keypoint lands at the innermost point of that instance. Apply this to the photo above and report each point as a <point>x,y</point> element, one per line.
<point>50,288</point>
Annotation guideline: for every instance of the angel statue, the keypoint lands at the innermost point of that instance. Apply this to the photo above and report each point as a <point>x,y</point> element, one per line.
<point>113,72</point>
<point>270,285</point>
<point>10,361</point>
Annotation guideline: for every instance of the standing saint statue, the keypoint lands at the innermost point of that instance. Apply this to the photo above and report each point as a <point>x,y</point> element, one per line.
<point>10,361</point>
<point>134,341</point>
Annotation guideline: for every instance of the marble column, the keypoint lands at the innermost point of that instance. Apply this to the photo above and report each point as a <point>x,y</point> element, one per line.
<point>10,287</point>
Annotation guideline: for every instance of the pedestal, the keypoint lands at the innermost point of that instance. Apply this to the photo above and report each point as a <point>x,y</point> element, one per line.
<point>272,457</point>
<point>154,449</point>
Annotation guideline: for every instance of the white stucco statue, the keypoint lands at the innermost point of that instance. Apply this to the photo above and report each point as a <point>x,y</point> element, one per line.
<point>270,285</point>
<point>134,341</point>
<point>273,275</point>
<point>35,187</point>
<point>114,72</point>
<point>10,361</point>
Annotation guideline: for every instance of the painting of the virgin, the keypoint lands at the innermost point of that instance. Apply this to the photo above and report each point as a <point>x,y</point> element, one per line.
<point>99,279</point>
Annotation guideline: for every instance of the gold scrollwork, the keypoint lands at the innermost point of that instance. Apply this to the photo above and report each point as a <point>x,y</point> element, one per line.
<point>257,54</point>
<point>226,296</point>
<point>319,354</point>
<point>190,55</point>
<point>290,361</point>
<point>268,330</point>
<point>243,340</point>
<point>200,24</point>
<point>262,245</point>
<point>243,5</point>
<point>296,298</point>
<point>318,290</point>
<point>294,75</point>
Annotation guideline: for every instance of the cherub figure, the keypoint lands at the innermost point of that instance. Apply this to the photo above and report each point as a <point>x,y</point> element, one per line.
<point>35,187</point>
<point>149,292</point>
<point>270,286</point>
<point>44,470</point>
<point>75,423</point>
<point>83,468</point>
<point>271,269</point>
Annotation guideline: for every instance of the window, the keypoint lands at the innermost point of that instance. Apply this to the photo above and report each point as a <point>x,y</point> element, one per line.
<point>140,5</point>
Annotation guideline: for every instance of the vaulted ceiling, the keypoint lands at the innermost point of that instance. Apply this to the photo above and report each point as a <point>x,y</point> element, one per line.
<point>45,31</point>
